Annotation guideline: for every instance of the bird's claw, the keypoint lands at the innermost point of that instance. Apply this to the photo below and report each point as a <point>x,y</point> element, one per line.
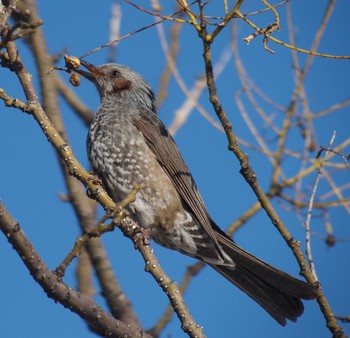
<point>142,235</point>
<point>95,178</point>
<point>97,182</point>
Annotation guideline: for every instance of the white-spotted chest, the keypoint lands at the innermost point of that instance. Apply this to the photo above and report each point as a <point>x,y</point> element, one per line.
<point>121,158</point>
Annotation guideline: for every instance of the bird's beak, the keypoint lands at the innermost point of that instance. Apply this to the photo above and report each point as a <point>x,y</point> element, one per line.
<point>93,71</point>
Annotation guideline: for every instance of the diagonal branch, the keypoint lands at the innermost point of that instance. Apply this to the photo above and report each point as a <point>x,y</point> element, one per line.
<point>54,287</point>
<point>251,178</point>
<point>84,208</point>
<point>75,169</point>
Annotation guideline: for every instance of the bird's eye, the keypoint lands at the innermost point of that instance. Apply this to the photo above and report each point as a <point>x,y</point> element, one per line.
<point>115,73</point>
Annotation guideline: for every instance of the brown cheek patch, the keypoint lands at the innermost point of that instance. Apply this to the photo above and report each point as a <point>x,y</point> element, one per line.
<point>121,84</point>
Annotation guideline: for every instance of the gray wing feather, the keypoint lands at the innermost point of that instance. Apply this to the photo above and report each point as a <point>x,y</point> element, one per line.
<point>164,147</point>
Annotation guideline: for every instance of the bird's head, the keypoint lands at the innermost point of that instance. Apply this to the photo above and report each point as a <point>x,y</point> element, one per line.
<point>113,79</point>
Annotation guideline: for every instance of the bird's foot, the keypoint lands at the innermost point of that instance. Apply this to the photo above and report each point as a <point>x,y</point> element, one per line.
<point>97,182</point>
<point>142,235</point>
<point>95,178</point>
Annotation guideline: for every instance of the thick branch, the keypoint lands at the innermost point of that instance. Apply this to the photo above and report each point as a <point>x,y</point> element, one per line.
<point>102,322</point>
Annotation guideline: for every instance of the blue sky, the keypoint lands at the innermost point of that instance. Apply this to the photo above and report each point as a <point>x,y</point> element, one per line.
<point>31,178</point>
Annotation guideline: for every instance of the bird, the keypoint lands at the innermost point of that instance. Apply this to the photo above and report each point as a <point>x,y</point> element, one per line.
<point>128,144</point>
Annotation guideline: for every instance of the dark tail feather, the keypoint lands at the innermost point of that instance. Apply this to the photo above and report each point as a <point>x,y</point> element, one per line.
<point>276,291</point>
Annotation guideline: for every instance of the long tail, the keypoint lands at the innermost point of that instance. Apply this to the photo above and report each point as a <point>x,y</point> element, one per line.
<point>276,291</point>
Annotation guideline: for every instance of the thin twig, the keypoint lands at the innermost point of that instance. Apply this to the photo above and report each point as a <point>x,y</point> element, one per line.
<point>127,35</point>
<point>310,52</point>
<point>309,213</point>
<point>345,157</point>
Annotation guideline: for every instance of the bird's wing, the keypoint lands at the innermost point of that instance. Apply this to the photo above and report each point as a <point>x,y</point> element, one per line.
<point>164,147</point>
